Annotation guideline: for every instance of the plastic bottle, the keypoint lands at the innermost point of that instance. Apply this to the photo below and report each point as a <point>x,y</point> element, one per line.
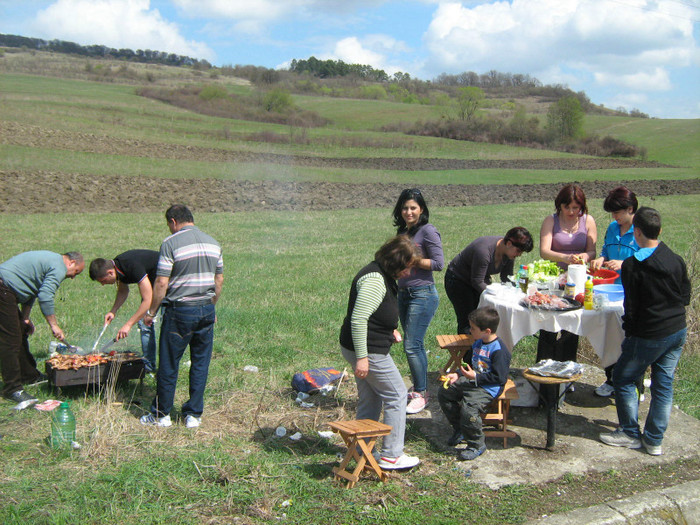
<point>570,289</point>
<point>588,295</point>
<point>62,427</point>
<point>523,278</point>
<point>59,348</point>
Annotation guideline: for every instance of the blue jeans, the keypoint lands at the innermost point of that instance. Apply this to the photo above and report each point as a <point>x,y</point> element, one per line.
<point>417,306</point>
<point>183,326</point>
<point>637,354</point>
<point>148,345</point>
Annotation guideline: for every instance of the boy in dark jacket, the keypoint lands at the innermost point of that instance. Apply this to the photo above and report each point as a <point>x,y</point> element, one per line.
<point>472,389</point>
<point>657,290</point>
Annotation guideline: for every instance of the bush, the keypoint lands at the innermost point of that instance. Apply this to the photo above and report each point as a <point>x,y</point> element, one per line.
<point>215,101</point>
<point>213,91</point>
<point>373,92</point>
<point>565,119</point>
<point>277,100</point>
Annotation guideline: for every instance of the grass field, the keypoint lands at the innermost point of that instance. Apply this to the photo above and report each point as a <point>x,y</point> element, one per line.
<point>285,293</point>
<point>286,283</point>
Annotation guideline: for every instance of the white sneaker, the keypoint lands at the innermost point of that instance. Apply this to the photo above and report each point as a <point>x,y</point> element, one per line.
<point>151,420</point>
<point>192,421</point>
<point>416,404</point>
<point>620,439</point>
<point>403,461</point>
<point>605,390</point>
<point>653,450</point>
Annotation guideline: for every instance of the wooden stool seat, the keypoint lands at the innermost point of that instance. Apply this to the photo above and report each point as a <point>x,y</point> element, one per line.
<point>362,434</point>
<point>497,416</point>
<point>457,346</point>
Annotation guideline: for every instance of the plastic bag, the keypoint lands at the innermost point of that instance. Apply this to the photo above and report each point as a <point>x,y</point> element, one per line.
<point>313,380</point>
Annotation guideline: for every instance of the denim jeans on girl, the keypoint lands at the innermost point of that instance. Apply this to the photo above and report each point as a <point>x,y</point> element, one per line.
<point>417,306</point>
<point>637,354</point>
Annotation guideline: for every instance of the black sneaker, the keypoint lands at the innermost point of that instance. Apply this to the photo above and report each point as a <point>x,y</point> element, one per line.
<point>469,454</point>
<point>22,399</point>
<point>38,380</point>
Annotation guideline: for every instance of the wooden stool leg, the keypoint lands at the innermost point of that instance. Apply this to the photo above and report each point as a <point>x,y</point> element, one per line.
<point>367,448</point>
<point>362,460</point>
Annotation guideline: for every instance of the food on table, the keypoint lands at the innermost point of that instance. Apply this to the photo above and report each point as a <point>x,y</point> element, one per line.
<point>579,298</point>
<point>547,301</point>
<point>543,270</point>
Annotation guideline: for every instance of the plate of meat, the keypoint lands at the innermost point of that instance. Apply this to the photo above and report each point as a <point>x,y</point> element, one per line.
<point>549,302</point>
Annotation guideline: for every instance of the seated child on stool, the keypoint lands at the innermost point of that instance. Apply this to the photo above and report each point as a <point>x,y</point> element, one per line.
<point>472,389</point>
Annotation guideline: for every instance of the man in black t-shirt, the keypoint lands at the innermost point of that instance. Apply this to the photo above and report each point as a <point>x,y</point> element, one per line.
<point>131,267</point>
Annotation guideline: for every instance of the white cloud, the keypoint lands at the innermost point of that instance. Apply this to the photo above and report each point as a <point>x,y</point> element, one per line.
<point>263,12</point>
<point>614,42</point>
<point>115,23</point>
<point>656,80</point>
<point>374,50</point>
<point>350,50</point>
<point>628,101</point>
<point>242,10</point>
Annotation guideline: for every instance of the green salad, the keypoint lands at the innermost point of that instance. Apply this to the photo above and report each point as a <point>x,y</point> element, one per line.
<point>542,271</point>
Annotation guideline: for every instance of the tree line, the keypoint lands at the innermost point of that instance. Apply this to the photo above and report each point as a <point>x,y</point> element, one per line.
<point>100,51</point>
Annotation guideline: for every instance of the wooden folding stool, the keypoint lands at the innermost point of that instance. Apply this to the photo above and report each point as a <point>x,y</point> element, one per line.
<point>497,416</point>
<point>457,346</point>
<point>354,433</point>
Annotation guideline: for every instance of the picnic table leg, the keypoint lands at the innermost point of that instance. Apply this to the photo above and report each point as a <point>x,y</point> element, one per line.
<point>552,408</point>
<point>549,394</point>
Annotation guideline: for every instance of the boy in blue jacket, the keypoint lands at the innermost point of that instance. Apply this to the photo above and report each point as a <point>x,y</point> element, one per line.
<point>473,388</point>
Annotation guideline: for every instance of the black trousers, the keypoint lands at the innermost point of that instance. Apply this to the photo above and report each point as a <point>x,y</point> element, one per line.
<point>17,364</point>
<point>463,403</point>
<point>464,299</point>
<point>560,346</point>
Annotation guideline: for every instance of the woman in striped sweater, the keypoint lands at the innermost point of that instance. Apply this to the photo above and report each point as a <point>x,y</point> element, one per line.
<point>368,331</point>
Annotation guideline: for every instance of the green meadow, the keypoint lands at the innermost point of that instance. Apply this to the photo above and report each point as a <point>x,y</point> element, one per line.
<point>287,277</point>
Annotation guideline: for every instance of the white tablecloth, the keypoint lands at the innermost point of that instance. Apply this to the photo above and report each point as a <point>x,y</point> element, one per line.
<point>603,328</point>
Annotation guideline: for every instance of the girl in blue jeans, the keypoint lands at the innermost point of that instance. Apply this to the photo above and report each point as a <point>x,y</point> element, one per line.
<point>418,297</point>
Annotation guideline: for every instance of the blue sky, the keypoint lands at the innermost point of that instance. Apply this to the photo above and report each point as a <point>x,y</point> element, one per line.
<point>639,54</point>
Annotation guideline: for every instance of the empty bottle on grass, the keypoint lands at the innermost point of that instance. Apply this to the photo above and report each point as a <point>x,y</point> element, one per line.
<point>62,427</point>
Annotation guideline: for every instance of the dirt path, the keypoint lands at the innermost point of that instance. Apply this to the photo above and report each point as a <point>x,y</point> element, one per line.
<point>55,192</point>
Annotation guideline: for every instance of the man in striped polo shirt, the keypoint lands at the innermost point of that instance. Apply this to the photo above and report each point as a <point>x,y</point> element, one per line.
<point>188,285</point>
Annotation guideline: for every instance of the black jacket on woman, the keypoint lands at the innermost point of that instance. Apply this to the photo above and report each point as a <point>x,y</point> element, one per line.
<point>382,323</point>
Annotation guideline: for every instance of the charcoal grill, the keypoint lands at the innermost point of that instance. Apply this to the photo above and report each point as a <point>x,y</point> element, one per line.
<point>95,375</point>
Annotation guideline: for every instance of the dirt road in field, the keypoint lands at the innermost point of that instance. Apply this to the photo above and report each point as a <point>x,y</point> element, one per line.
<point>54,192</point>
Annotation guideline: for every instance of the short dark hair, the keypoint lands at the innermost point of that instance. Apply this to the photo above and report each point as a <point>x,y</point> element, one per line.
<point>99,267</point>
<point>485,318</point>
<point>180,213</point>
<point>648,221</point>
<point>397,254</point>
<point>571,193</point>
<point>413,194</point>
<point>620,198</point>
<point>520,238</point>
<point>74,256</point>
